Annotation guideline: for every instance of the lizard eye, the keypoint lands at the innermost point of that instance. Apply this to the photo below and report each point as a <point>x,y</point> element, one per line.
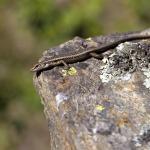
<point>46,65</point>
<point>35,68</point>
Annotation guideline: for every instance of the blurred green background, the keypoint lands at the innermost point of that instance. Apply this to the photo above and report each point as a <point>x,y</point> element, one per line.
<point>27,28</point>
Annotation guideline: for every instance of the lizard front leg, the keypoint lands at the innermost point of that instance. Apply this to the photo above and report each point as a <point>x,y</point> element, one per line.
<point>65,64</point>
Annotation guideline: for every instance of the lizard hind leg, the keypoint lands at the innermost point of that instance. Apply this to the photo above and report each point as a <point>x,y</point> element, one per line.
<point>95,55</point>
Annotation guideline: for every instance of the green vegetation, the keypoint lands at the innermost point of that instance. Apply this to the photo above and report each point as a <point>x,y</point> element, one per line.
<point>142,7</point>
<point>55,22</point>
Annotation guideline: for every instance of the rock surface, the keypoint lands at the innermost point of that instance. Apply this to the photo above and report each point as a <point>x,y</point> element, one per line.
<point>100,104</point>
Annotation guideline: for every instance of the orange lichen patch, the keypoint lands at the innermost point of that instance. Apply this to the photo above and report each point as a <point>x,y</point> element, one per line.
<point>122,118</point>
<point>52,105</point>
<point>121,122</point>
<point>127,86</point>
<point>63,84</point>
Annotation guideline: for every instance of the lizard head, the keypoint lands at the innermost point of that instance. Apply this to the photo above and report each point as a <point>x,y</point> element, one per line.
<point>39,66</point>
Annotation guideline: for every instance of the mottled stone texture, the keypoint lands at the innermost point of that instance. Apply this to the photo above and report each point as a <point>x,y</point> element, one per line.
<point>105,105</point>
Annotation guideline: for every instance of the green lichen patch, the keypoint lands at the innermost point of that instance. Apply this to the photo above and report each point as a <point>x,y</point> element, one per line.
<point>71,71</point>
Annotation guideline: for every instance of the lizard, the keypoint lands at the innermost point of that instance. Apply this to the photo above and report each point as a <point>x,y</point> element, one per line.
<point>84,51</point>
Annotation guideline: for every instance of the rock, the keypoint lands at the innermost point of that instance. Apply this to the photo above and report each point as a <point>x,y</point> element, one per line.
<point>102,104</point>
